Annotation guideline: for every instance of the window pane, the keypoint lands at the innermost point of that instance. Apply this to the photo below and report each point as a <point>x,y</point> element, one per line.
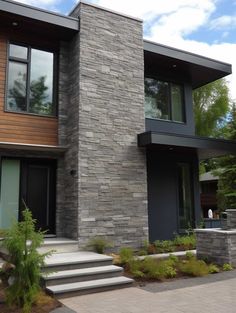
<point>177,103</point>
<point>18,51</point>
<point>185,196</point>
<point>41,83</point>
<point>156,99</point>
<point>16,93</point>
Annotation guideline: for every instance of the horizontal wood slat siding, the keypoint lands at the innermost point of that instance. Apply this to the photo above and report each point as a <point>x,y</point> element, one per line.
<point>23,128</point>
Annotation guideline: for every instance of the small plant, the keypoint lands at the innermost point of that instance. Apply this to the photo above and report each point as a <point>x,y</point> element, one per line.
<point>173,258</point>
<point>194,267</point>
<point>227,267</point>
<point>164,246</point>
<point>22,242</point>
<point>126,255</point>
<point>189,255</point>
<point>213,269</point>
<point>187,242</point>
<point>99,244</point>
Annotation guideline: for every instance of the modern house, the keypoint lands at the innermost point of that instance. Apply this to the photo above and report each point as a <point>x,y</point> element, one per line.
<point>97,130</point>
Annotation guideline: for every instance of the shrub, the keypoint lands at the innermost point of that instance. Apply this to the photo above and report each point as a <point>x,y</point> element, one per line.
<point>194,267</point>
<point>22,242</point>
<point>189,255</point>
<point>158,269</point>
<point>148,247</point>
<point>126,255</point>
<point>164,246</point>
<point>188,242</point>
<point>99,244</point>
<point>135,268</point>
<point>227,267</point>
<point>212,268</point>
<point>173,259</point>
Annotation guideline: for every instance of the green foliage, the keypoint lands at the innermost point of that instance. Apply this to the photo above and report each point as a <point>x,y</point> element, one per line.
<point>2,233</point>
<point>212,268</point>
<point>163,246</point>
<point>226,193</point>
<point>211,105</point>
<point>173,258</point>
<point>189,255</point>
<point>22,242</point>
<point>227,267</point>
<point>99,244</point>
<point>188,242</point>
<point>126,255</point>
<point>194,267</point>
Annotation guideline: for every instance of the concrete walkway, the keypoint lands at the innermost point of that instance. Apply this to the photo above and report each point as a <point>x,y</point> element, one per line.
<point>211,294</point>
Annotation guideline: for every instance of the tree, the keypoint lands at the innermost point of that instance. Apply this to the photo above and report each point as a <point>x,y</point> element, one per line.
<point>227,169</point>
<point>211,105</point>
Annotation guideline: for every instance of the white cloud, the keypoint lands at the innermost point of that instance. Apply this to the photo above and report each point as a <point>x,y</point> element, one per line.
<point>224,21</point>
<point>170,22</point>
<point>40,3</point>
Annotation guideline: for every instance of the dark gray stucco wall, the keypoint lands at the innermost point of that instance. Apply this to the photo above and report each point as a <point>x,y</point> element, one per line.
<point>163,191</point>
<point>112,169</point>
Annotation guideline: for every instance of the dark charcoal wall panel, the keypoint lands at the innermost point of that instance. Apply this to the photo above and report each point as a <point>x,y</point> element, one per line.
<point>163,191</point>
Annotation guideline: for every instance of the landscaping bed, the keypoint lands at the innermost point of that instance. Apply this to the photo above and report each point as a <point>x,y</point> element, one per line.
<point>150,269</point>
<point>43,304</point>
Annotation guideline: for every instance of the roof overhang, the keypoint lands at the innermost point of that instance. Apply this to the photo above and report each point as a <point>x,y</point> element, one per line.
<point>27,16</point>
<point>197,69</point>
<point>55,150</point>
<point>206,147</point>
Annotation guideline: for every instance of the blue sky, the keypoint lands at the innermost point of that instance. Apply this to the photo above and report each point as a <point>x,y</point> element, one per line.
<point>206,27</point>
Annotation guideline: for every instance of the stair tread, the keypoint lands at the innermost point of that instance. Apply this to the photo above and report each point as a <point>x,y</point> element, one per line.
<point>58,241</point>
<point>83,271</point>
<point>75,258</point>
<point>97,283</point>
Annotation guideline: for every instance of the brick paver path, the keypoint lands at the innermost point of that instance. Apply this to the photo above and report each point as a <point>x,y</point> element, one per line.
<point>211,294</point>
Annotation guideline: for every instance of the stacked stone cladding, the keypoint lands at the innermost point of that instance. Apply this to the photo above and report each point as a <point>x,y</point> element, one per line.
<point>218,245</point>
<point>112,190</point>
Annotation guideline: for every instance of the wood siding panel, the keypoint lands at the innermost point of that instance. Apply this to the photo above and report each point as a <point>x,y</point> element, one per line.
<point>23,128</point>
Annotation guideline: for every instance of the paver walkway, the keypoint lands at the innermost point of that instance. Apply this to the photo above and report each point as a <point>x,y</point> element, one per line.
<point>211,294</point>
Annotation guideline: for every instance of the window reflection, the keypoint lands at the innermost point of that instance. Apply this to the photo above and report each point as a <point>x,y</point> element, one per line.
<point>17,77</point>
<point>18,52</point>
<point>41,82</point>
<point>30,81</point>
<point>163,100</point>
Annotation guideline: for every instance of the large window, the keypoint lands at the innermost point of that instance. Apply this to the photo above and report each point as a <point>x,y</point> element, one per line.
<point>164,100</point>
<point>30,81</point>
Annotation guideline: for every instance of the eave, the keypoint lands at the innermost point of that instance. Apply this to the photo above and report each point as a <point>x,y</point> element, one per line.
<point>205,147</point>
<point>27,16</point>
<point>197,69</point>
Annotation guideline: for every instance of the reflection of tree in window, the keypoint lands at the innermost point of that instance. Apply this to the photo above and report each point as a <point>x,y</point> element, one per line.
<point>30,80</point>
<point>156,99</point>
<point>39,97</point>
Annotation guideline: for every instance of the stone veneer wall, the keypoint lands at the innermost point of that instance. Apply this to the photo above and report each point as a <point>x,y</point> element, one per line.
<point>112,169</point>
<point>68,114</point>
<point>217,245</point>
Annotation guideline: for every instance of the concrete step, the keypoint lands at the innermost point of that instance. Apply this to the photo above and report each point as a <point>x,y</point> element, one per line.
<point>75,260</point>
<point>58,245</point>
<point>85,274</point>
<point>91,286</point>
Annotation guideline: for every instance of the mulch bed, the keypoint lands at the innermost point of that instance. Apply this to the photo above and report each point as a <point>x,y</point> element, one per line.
<point>44,304</point>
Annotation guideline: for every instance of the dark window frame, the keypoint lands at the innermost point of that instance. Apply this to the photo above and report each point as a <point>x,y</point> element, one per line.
<point>28,62</point>
<point>169,104</point>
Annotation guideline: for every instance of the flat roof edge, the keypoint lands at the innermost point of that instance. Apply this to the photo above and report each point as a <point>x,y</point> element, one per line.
<point>152,46</point>
<point>105,9</point>
<point>31,12</point>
